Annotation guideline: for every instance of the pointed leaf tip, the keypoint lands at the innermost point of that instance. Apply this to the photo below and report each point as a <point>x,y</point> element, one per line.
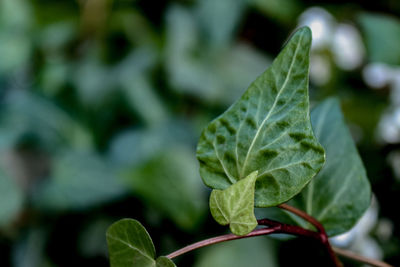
<point>235,205</point>
<point>305,30</point>
<point>302,38</point>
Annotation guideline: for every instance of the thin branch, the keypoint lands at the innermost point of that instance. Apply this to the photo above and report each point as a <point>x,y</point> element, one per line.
<point>290,229</point>
<point>303,215</point>
<point>222,238</point>
<point>359,258</point>
<point>275,227</point>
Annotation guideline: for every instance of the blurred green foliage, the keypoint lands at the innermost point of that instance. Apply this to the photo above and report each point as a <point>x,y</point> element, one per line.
<point>102,103</point>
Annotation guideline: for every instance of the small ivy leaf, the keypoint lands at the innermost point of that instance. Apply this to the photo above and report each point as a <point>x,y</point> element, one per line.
<point>267,130</point>
<point>235,205</point>
<point>129,244</point>
<point>340,193</point>
<point>164,262</point>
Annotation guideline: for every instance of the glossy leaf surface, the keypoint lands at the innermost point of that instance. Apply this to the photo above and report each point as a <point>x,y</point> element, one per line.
<point>235,205</point>
<point>340,193</point>
<point>267,130</point>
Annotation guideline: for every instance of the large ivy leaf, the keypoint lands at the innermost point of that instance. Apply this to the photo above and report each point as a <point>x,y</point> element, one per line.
<point>235,205</point>
<point>267,130</point>
<point>129,244</point>
<point>340,193</point>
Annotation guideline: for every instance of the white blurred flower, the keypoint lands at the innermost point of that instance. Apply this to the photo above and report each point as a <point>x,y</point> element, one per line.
<point>347,47</point>
<point>321,24</point>
<point>376,75</point>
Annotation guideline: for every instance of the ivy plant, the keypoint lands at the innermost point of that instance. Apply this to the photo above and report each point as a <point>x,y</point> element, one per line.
<point>269,150</point>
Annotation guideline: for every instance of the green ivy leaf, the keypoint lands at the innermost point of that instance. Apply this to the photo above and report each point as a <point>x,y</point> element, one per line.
<point>235,205</point>
<point>267,130</point>
<point>129,244</point>
<point>163,261</point>
<point>340,193</point>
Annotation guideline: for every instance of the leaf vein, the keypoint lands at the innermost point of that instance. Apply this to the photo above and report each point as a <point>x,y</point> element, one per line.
<point>273,106</point>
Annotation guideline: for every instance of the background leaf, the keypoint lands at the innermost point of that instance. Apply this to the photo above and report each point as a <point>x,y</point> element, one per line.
<point>135,147</point>
<point>215,75</point>
<point>170,183</point>
<point>78,180</point>
<point>11,198</point>
<point>382,37</point>
<point>340,193</point>
<point>235,205</point>
<point>267,130</point>
<point>220,19</point>
<point>28,113</point>
<point>281,10</point>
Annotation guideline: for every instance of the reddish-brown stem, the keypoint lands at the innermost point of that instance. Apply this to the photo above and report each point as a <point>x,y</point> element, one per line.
<point>274,227</point>
<point>322,234</point>
<point>219,239</point>
<point>359,258</point>
<point>289,229</point>
<point>303,215</point>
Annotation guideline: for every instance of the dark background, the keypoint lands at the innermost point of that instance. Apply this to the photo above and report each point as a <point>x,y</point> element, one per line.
<point>102,103</point>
